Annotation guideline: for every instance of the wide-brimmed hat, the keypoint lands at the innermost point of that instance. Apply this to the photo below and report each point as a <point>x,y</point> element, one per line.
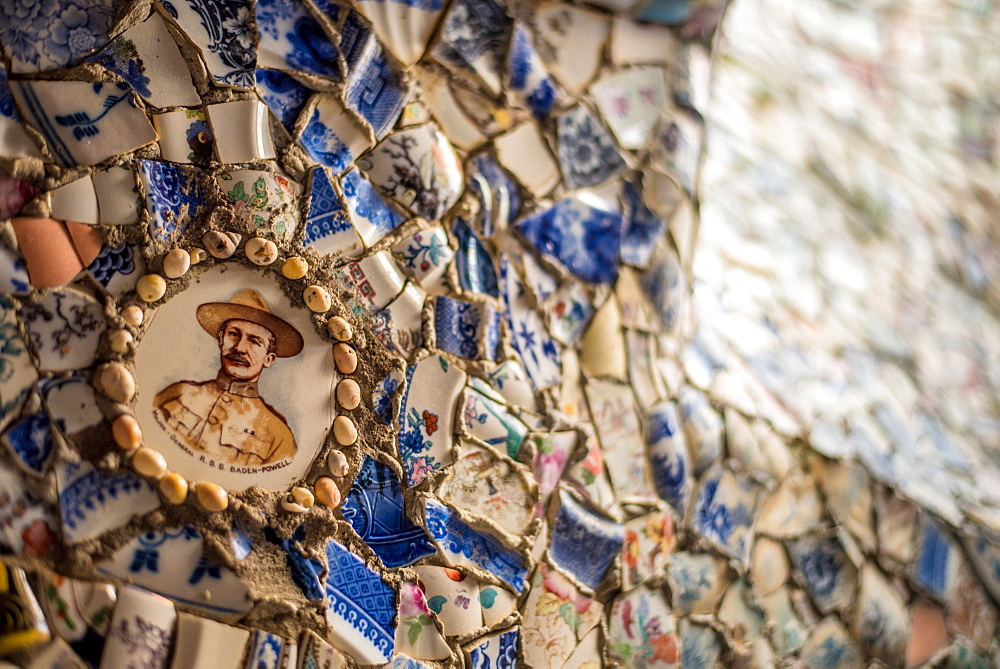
<point>248,305</point>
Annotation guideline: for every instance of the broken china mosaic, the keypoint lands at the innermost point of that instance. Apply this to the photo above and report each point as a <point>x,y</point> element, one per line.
<point>361,333</point>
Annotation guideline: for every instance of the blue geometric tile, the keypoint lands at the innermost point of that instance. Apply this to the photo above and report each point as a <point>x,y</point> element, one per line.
<point>283,94</point>
<point>290,37</point>
<point>469,330</point>
<point>30,441</point>
<point>496,652</point>
<point>374,90</point>
<point>641,230</point>
<point>361,608</point>
<point>51,34</point>
<point>938,559</point>
<point>113,262</point>
<point>374,508</point>
<point>587,154</point>
<point>464,546</point>
<point>583,543</point>
<point>582,237</point>
<point>476,272</point>
<point>174,197</point>
<point>668,456</point>
<point>328,229</point>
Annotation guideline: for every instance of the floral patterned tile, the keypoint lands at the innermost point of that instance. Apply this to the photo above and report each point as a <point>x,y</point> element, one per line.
<point>65,328</point>
<point>643,631</point>
<point>416,634</point>
<point>484,484</point>
<point>263,201</point>
<point>453,596</point>
<point>92,502</point>
<point>427,416</point>
<point>490,421</point>
<point>612,406</point>
<point>331,136</point>
<point>27,525</point>
<point>556,616</point>
<point>53,35</point>
<point>223,32</point>
<point>649,541</point>
<point>289,37</point>
<point>472,40</point>
<point>426,255</point>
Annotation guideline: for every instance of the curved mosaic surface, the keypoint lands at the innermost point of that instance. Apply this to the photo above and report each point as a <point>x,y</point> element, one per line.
<point>341,334</point>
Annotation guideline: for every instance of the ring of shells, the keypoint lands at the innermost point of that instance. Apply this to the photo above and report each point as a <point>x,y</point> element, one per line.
<point>115,378</point>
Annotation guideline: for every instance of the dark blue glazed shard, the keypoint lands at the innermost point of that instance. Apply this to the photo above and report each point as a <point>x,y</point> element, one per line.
<point>476,272</point>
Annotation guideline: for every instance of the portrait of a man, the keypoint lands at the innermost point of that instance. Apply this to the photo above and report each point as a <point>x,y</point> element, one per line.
<point>225,417</point>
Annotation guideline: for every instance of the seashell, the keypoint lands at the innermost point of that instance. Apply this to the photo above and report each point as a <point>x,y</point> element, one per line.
<point>344,430</point>
<point>197,255</point>
<point>336,462</point>
<point>149,463</point>
<point>127,433</point>
<point>133,315</point>
<point>345,357</point>
<point>117,382</point>
<point>221,245</point>
<point>298,500</point>
<point>327,492</point>
<point>295,268</point>
<point>339,328</point>
<point>349,394</point>
<point>151,287</point>
<point>261,251</point>
<point>176,263</point>
<point>119,340</point>
<point>211,496</point>
<point>174,487</point>
<point>317,299</point>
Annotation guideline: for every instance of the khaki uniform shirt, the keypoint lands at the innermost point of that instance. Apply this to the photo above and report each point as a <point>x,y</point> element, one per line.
<point>227,419</point>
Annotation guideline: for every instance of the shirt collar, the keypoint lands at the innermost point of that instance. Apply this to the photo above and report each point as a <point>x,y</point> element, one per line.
<point>235,386</point>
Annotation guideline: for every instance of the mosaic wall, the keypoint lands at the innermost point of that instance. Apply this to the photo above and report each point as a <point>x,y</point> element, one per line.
<point>372,333</point>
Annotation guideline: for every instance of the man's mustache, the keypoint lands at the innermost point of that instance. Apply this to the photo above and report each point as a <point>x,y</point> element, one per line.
<point>238,358</point>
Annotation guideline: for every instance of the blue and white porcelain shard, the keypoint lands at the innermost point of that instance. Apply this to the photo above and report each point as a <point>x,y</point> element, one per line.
<point>668,456</point>
<point>266,650</point>
<point>284,95</point>
<point>505,192</point>
<point>41,36</point>
<point>374,508</point>
<point>404,26</point>
<point>473,38</point>
<point>399,326</point>
<point>19,371</point>
<point>332,137</point>
<point>830,647</point>
<point>724,512</point>
<point>938,559</point>
<point>71,402</point>
<point>92,502</point>
<point>360,607</point>
<point>426,255</point>
<point>289,37</point>
<point>30,525</point>
<point>581,233</point>
<point>584,544</point>
<point>148,59</point>
<point>419,169</point>
<point>30,442</point>
<point>372,283</point>
<point>374,90</point>
<point>223,31</point>
<point>694,580</point>
<point>84,123</point>
<point>383,397</point>
<point>14,141</point>
<point>372,216</point>
<point>469,330</point>
<point>702,429</point>
<point>496,652</point>
<point>13,270</point>
<point>587,153</point>
<point>328,229</point>
<point>664,283</point>
<point>827,573</point>
<point>65,327</point>
<point>641,229</point>
<point>528,79</point>
<point>427,416</point>
<point>476,272</point>
<point>541,354</point>
<point>173,563</point>
<point>174,197</point>
<point>463,546</point>
<point>117,268</point>
<point>700,646</point>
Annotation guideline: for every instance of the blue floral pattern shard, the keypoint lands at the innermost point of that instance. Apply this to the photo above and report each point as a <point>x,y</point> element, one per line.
<point>283,94</point>
<point>373,217</point>
<point>463,545</point>
<point>323,144</point>
<point>829,576</point>
<point>30,440</point>
<point>374,508</point>
<point>641,229</point>
<point>724,512</point>
<point>174,197</point>
<point>476,272</point>
<point>669,459</point>
<point>584,238</point>
<point>361,608</point>
<point>224,31</point>
<point>289,36</point>
<point>582,543</point>
<point>587,154</point>
<point>374,90</point>
<point>497,652</point>
<point>50,34</point>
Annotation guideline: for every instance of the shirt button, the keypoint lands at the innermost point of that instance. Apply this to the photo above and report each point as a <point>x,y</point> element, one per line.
<point>226,397</point>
